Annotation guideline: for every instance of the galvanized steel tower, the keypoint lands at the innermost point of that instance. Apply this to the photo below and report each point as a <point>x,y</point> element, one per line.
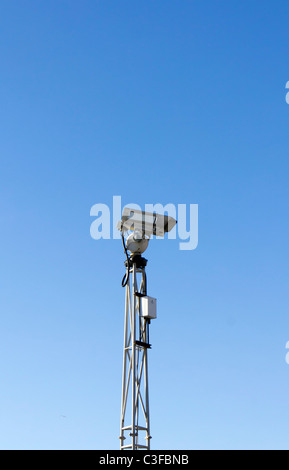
<point>139,311</point>
<point>135,415</point>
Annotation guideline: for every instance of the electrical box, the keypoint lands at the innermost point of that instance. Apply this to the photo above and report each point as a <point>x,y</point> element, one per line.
<point>149,307</point>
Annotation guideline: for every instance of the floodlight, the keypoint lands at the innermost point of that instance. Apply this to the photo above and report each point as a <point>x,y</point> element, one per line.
<point>146,222</point>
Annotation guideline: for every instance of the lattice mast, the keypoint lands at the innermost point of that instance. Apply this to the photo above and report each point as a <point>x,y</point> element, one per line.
<point>139,310</point>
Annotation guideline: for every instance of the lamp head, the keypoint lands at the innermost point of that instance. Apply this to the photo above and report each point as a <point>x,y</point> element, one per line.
<point>146,222</point>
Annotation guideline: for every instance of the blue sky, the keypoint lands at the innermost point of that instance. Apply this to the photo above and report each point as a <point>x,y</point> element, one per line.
<point>158,102</point>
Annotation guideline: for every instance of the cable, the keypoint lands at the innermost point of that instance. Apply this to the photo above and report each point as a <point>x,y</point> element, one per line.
<point>125,278</point>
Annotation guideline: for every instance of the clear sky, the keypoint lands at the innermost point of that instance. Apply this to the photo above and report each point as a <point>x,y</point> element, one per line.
<point>158,102</point>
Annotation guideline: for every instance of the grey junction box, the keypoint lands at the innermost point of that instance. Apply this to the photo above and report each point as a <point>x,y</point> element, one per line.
<point>149,307</point>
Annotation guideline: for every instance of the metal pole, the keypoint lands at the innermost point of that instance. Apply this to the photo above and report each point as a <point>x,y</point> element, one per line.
<point>135,428</point>
<point>124,372</point>
<point>133,357</point>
